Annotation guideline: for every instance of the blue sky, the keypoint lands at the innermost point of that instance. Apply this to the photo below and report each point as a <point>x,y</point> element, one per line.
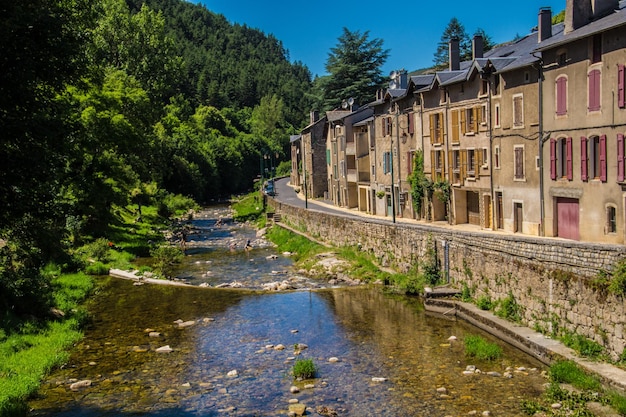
<point>411,31</point>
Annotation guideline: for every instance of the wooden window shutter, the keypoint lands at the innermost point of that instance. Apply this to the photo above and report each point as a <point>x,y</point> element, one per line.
<point>519,163</point>
<point>463,124</point>
<point>620,157</point>
<point>594,90</point>
<point>409,162</point>
<point>455,126</point>
<point>433,167</point>
<point>479,162</point>
<point>431,118</point>
<point>603,158</point>
<point>569,156</point>
<point>621,94</point>
<point>561,96</point>
<point>411,122</point>
<point>584,159</point>
<point>475,113</point>
<point>451,165</point>
<point>442,155</point>
<point>552,158</point>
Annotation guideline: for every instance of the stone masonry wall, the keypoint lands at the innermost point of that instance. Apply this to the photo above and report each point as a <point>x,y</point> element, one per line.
<point>551,279</point>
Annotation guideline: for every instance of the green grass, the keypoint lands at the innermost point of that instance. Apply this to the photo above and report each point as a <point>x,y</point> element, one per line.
<point>304,369</point>
<point>570,373</point>
<point>303,249</point>
<point>249,208</point>
<point>31,349</point>
<point>583,346</point>
<point>479,348</point>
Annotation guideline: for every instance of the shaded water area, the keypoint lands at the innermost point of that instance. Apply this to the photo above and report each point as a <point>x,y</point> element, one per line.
<point>372,334</point>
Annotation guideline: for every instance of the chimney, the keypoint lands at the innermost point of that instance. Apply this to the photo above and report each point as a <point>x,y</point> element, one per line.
<point>545,24</point>
<point>477,46</point>
<point>577,14</point>
<point>314,116</point>
<point>404,79</point>
<point>454,55</point>
<point>602,8</point>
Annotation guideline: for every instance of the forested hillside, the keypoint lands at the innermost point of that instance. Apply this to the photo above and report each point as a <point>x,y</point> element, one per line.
<point>110,103</point>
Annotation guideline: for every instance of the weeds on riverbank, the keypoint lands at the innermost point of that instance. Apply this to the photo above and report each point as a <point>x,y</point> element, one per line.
<point>249,207</point>
<point>304,369</point>
<point>479,348</point>
<point>29,349</point>
<point>587,388</point>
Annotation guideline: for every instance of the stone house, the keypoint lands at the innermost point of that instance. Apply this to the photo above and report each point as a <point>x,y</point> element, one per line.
<point>308,156</point>
<point>584,122</point>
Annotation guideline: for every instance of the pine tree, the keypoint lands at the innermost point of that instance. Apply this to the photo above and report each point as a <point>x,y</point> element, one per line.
<point>354,68</point>
<point>487,41</point>
<point>454,30</point>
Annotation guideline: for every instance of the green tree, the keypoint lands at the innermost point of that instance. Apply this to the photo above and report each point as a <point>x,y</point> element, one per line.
<point>454,30</point>
<point>354,68</point>
<point>487,41</point>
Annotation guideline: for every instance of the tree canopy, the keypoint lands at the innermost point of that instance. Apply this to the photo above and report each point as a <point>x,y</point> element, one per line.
<point>354,68</point>
<point>456,30</point>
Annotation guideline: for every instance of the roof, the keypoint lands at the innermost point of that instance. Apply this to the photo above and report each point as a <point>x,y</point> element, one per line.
<point>611,21</point>
<point>294,138</point>
<point>334,115</point>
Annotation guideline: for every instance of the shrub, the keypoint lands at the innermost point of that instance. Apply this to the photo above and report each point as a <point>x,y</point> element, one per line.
<point>97,268</point>
<point>569,373</point>
<point>617,284</point>
<point>477,347</point>
<point>509,309</point>
<point>304,369</point>
<point>484,302</point>
<point>618,402</point>
<point>164,259</point>
<point>582,345</point>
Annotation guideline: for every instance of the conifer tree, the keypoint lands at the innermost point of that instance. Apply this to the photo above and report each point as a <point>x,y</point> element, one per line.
<point>454,30</point>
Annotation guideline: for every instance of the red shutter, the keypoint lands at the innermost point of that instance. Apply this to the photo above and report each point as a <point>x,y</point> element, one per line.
<point>621,95</point>
<point>594,90</point>
<point>620,157</point>
<point>569,151</point>
<point>411,123</point>
<point>603,158</point>
<point>409,163</point>
<point>561,96</point>
<point>553,158</point>
<point>583,159</point>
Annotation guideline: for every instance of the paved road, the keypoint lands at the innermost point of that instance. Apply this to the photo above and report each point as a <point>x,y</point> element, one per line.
<point>286,194</point>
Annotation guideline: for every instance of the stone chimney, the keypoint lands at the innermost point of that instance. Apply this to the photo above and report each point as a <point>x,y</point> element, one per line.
<point>454,55</point>
<point>314,116</point>
<point>577,14</point>
<point>602,8</point>
<point>545,24</point>
<point>477,46</point>
<point>404,79</point>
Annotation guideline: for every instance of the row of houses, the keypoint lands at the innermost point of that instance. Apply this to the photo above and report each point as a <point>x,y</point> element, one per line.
<point>527,137</point>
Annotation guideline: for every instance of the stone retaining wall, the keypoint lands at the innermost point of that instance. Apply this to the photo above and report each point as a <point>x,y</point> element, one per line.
<point>550,279</point>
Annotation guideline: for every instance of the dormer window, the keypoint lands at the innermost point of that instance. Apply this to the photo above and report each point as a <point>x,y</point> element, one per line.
<point>596,49</point>
<point>561,59</point>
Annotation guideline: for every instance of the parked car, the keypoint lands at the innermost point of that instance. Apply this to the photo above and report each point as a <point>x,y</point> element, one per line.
<point>269,188</point>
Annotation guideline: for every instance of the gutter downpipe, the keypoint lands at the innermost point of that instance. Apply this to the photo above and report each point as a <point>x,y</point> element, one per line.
<point>493,192</point>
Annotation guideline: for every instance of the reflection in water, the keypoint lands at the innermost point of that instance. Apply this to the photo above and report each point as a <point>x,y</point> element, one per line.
<point>372,334</point>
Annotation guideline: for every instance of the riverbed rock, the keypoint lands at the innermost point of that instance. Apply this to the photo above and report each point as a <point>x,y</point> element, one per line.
<point>297,409</point>
<point>186,324</point>
<point>154,334</point>
<point>80,384</point>
<point>233,373</point>
<point>164,349</point>
<point>279,347</point>
<point>378,379</point>
<point>294,389</point>
<point>333,359</point>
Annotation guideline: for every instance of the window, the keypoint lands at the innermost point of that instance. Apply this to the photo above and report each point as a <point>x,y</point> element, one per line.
<point>410,118</point>
<point>455,126</point>
<point>387,126</point>
<point>484,87</point>
<point>561,59</point>
<point>485,157</point>
<point>593,158</point>
<point>518,111</point>
<point>374,171</point>
<point>436,128</point>
<point>611,220</point>
<point>593,80</point>
<point>596,49</point>
<point>469,121</point>
<point>456,167</point>
<point>386,162</point>
<point>342,164</point>
<point>561,158</point>
<point>437,165</point>
<point>443,96</point>
<point>327,156</point>
<point>482,114</point>
<point>496,122</point>
<point>496,85</point>
<point>526,77</point>
<point>518,156</point>
<point>561,96</point>
<point>471,163</point>
<point>496,157</point>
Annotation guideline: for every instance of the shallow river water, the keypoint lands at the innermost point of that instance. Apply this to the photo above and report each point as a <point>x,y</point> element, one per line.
<point>225,361</point>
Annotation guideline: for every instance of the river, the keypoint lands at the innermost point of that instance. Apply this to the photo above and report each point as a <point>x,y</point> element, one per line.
<point>377,354</point>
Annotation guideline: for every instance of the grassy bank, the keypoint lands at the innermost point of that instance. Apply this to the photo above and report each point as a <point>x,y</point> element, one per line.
<point>30,346</point>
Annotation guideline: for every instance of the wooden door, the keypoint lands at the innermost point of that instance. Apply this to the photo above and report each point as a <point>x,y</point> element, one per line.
<point>567,218</point>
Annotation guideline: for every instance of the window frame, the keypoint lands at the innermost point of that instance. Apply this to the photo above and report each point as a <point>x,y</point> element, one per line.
<point>519,165</point>
<point>561,95</point>
<point>518,118</point>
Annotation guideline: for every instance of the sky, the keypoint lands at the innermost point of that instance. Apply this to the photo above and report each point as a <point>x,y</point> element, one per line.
<point>411,31</point>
